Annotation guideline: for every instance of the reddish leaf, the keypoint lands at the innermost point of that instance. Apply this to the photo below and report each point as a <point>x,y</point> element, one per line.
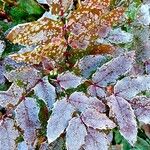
<point>93,118</point>
<point>81,102</point>
<point>58,121</point>
<point>75,134</point>
<point>125,118</point>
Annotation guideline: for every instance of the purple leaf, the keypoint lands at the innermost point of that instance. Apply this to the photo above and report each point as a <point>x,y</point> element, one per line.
<point>45,91</point>
<point>27,118</point>
<point>93,118</point>
<point>58,121</point>
<point>81,102</point>
<point>125,118</point>
<point>96,140</point>
<point>110,72</point>
<point>96,91</point>
<point>90,63</point>
<point>27,75</point>
<point>2,71</point>
<point>8,135</point>
<point>11,96</point>
<point>69,80</point>
<point>141,107</point>
<point>75,134</point>
<point>129,87</point>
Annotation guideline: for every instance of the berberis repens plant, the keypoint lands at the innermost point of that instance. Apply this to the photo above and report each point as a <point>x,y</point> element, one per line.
<point>75,75</point>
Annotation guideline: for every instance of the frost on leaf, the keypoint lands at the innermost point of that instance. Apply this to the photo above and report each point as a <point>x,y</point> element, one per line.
<point>2,71</point>
<point>27,118</point>
<point>22,146</point>
<point>2,47</point>
<point>96,140</point>
<point>118,36</point>
<point>90,63</point>
<point>81,102</point>
<point>141,107</point>
<point>75,134</point>
<point>69,80</point>
<point>45,91</point>
<point>25,77</point>
<point>144,15</point>
<point>111,71</point>
<point>125,117</point>
<point>58,121</point>
<point>130,86</point>
<point>11,96</point>
<point>86,21</point>
<point>96,91</point>
<point>96,120</point>
<point>8,135</point>
<point>45,35</point>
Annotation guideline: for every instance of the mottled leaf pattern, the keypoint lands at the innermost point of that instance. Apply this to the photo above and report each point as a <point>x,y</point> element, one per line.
<point>125,117</point>
<point>93,118</point>
<point>2,47</point>
<point>8,135</point>
<point>62,113</point>
<point>96,140</point>
<point>130,86</point>
<point>45,91</point>
<point>141,107</point>
<point>81,102</point>
<point>69,80</point>
<point>110,72</point>
<point>27,118</point>
<point>75,134</point>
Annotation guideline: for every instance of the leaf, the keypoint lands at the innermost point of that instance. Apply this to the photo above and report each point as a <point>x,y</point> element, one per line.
<point>119,36</point>
<point>125,117</point>
<point>2,71</point>
<point>27,118</point>
<point>110,72</point>
<point>129,87</point>
<point>96,140</point>
<point>45,91</point>
<point>89,63</point>
<point>2,47</point>
<point>22,146</point>
<point>85,22</point>
<point>75,134</point>
<point>96,91</point>
<point>69,80</point>
<point>96,120</point>
<point>44,146</point>
<point>81,102</point>
<point>58,121</point>
<point>45,35</point>
<point>147,66</point>
<point>141,107</point>
<point>11,96</point>
<point>8,134</point>
<point>25,77</point>
<point>144,15</point>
